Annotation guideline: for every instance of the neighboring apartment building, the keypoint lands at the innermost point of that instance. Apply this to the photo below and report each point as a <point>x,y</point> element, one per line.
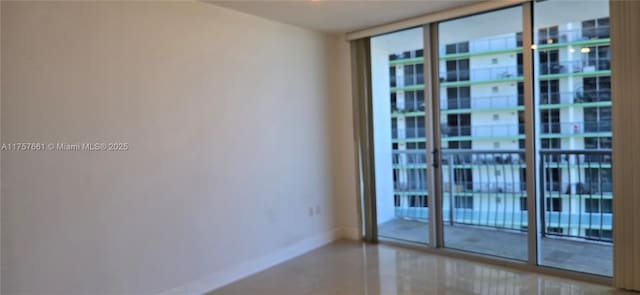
<point>482,131</point>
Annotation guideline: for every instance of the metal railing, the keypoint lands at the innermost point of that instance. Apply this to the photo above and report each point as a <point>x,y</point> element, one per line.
<point>483,102</point>
<point>583,96</point>
<point>484,188</point>
<point>407,133</point>
<point>482,74</point>
<point>495,130</point>
<point>566,36</point>
<point>577,193</point>
<point>574,66</point>
<point>576,127</point>
<point>488,189</point>
<point>489,44</point>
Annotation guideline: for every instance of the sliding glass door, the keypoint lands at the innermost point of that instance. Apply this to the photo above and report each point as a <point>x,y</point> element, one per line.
<point>397,73</point>
<point>509,153</point>
<point>573,109</point>
<point>482,134</point>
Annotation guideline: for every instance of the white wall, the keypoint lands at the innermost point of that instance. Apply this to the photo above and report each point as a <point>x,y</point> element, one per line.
<point>229,120</point>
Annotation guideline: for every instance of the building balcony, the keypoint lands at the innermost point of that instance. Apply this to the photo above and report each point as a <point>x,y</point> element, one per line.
<point>484,131</point>
<point>481,75</point>
<point>576,128</point>
<point>487,210</point>
<point>552,70</point>
<point>494,102</point>
<point>583,97</point>
<point>406,133</point>
<point>579,36</point>
<point>487,46</point>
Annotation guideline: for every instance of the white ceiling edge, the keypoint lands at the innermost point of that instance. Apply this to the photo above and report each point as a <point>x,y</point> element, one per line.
<point>339,17</point>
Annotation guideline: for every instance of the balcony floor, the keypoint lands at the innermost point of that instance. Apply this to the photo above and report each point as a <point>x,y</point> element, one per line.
<point>589,257</point>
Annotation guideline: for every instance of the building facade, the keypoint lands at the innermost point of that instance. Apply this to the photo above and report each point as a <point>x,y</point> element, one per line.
<point>482,131</point>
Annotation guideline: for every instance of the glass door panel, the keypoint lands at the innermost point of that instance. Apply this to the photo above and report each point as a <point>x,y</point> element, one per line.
<point>573,109</point>
<point>482,134</point>
<point>397,70</point>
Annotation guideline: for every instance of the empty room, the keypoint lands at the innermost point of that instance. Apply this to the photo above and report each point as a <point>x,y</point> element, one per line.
<point>370,147</point>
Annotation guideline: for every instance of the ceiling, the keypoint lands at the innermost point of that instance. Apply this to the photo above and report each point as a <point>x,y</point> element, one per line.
<point>335,16</point>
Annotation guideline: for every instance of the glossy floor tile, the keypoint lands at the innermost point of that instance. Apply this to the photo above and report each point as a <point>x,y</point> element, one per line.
<point>349,267</point>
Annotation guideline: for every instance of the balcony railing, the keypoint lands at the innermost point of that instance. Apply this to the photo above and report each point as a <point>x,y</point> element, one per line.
<point>575,35</point>
<point>574,66</point>
<point>488,188</point>
<point>567,128</point>
<point>490,44</point>
<point>406,133</point>
<point>577,192</point>
<point>482,74</point>
<point>408,107</point>
<point>409,157</point>
<point>485,102</point>
<point>497,130</point>
<point>584,96</point>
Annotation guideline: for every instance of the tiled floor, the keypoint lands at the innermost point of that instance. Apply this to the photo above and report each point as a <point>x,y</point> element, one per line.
<point>583,256</point>
<point>349,267</point>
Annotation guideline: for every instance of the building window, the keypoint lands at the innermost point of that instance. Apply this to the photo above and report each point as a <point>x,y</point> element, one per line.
<point>459,144</point>
<point>523,203</point>
<point>604,234</point>
<point>396,200</point>
<point>394,128</point>
<point>552,179</point>
<point>597,119</point>
<point>596,28</point>
<point>598,206</point>
<point>554,230</point>
<point>414,101</point>
<point>392,76</point>
<point>458,70</point>
<point>553,204</point>
<point>462,47</point>
<point>550,62</point>
<point>415,127</point>
<point>463,179</point>
<point>419,201</point>
<point>594,89</point>
<point>463,202</point>
<point>550,120</point>
<point>550,92</point>
<point>416,145</point>
<point>458,125</point>
<point>550,143</point>
<point>598,58</point>
<point>413,74</point>
<point>458,97</point>
<point>597,180</point>
<point>548,35</point>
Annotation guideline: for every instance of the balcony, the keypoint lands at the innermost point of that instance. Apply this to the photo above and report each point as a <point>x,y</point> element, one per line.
<point>582,67</point>
<point>481,75</point>
<point>482,103</point>
<point>485,131</point>
<point>407,133</point>
<point>576,128</point>
<point>574,36</point>
<point>577,97</point>
<point>487,45</point>
<point>485,205</point>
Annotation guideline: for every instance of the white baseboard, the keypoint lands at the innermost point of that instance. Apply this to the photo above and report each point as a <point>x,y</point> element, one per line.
<point>221,278</point>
